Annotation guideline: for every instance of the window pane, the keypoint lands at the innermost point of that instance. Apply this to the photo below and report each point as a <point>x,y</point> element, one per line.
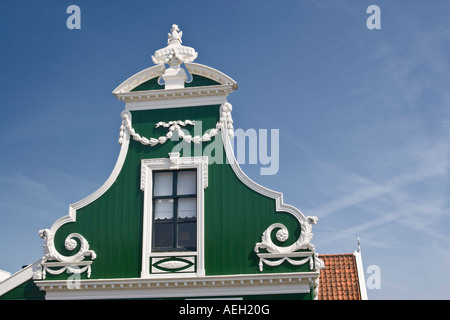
<point>187,235</point>
<point>163,235</point>
<point>163,183</point>
<point>187,208</point>
<point>163,209</point>
<point>187,182</point>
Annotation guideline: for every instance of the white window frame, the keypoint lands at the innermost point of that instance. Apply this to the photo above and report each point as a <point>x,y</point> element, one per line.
<point>173,162</point>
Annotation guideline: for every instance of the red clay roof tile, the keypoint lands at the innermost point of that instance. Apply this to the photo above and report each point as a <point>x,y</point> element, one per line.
<point>339,279</point>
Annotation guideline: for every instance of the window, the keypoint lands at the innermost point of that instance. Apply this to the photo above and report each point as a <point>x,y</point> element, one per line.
<point>173,217</point>
<point>174,210</point>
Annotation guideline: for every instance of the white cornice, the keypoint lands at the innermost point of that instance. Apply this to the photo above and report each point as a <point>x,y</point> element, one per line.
<point>175,98</point>
<point>252,284</point>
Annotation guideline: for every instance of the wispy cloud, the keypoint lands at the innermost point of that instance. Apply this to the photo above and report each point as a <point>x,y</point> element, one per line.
<point>432,167</point>
<point>26,196</point>
<point>49,199</point>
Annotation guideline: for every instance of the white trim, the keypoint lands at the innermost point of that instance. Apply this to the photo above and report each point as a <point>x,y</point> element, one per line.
<point>211,73</point>
<point>173,162</point>
<point>206,286</point>
<point>361,277</point>
<point>19,277</point>
<point>139,78</point>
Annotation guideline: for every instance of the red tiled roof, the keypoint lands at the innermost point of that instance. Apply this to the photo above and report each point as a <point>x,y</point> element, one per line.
<point>339,279</point>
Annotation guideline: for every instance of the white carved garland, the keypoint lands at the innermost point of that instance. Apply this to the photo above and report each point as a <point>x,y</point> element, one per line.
<point>73,264</point>
<point>225,122</point>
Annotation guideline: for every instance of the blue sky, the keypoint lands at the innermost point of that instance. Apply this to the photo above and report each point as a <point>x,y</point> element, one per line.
<point>363,116</point>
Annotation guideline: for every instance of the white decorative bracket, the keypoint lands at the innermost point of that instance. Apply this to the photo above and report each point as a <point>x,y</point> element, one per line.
<point>174,157</point>
<point>276,255</point>
<point>53,259</point>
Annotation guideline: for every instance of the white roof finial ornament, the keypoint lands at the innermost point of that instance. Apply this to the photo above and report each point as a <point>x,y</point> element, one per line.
<point>174,35</point>
<point>174,55</point>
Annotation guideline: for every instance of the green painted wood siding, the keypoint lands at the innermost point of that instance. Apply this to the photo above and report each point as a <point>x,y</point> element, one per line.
<point>235,216</point>
<point>25,291</point>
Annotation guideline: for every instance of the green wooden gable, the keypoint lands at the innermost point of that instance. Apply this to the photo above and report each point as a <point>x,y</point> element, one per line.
<point>248,243</point>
